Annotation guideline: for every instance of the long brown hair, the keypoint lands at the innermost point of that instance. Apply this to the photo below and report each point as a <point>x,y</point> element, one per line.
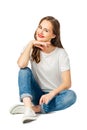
<point>55,41</point>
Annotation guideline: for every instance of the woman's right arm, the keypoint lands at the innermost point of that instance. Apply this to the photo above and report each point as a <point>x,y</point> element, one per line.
<point>25,56</point>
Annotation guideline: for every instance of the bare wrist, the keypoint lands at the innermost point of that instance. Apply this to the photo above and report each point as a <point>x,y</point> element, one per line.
<point>52,93</point>
<point>30,44</point>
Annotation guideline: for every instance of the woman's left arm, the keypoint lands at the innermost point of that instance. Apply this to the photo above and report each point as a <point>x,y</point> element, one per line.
<point>66,84</point>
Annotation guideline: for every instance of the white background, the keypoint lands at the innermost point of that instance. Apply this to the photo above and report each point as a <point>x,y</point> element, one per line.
<point>18,21</point>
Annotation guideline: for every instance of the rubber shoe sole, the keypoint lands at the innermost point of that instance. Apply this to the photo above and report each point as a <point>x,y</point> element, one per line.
<point>17,109</point>
<point>28,119</point>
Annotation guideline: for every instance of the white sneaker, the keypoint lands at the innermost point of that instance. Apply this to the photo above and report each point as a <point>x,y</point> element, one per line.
<point>29,115</point>
<point>17,109</point>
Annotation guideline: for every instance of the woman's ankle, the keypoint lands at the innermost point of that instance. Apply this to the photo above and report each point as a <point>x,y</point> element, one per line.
<point>36,108</point>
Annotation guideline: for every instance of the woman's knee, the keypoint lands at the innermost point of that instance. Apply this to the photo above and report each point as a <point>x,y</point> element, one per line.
<point>71,96</point>
<point>25,71</point>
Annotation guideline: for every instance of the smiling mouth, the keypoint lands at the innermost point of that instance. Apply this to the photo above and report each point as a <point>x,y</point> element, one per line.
<point>41,36</point>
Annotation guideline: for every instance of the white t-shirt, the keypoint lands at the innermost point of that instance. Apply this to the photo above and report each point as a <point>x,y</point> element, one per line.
<point>48,71</point>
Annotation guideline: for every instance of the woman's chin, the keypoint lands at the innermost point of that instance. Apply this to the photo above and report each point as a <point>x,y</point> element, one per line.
<point>40,40</point>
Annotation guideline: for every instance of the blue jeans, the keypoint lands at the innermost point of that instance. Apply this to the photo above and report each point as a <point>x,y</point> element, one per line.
<point>28,87</point>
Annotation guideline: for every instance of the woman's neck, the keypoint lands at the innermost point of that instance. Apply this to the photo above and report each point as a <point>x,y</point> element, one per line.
<point>49,49</point>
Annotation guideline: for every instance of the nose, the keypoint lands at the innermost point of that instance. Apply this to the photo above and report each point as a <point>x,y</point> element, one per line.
<point>41,31</point>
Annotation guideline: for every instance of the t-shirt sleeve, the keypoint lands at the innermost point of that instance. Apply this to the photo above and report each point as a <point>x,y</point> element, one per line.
<point>64,62</point>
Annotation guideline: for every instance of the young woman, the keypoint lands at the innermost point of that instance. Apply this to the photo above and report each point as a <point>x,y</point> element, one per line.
<point>45,87</point>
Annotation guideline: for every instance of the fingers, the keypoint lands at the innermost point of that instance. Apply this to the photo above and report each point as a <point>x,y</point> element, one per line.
<point>41,43</point>
<point>39,46</point>
<point>43,100</point>
<point>40,102</point>
<point>44,43</point>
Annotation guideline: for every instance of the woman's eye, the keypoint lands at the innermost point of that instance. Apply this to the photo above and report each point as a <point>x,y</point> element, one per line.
<point>45,30</point>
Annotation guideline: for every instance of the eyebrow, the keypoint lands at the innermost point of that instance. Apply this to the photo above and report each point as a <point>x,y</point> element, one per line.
<point>44,28</point>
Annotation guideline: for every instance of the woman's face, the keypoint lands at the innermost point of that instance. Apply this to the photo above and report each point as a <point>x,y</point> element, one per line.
<point>44,32</point>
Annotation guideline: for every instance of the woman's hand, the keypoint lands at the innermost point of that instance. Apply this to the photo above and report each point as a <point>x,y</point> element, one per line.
<point>46,98</point>
<point>41,45</point>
